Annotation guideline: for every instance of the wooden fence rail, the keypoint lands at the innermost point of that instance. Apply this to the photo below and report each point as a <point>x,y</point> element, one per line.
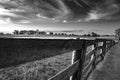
<point>84,62</point>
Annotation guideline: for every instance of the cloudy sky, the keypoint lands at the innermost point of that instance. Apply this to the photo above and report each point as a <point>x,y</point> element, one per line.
<point>72,16</point>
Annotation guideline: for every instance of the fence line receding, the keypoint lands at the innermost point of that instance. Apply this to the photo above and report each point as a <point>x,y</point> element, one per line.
<point>84,62</point>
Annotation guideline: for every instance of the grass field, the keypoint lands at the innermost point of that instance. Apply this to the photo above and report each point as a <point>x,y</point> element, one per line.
<point>33,59</point>
<point>36,62</point>
<point>37,70</point>
<point>18,51</point>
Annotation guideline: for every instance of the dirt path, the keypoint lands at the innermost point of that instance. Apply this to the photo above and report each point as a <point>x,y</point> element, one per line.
<point>109,69</point>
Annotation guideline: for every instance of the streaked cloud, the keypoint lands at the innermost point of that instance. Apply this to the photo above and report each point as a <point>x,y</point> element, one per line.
<point>3,22</point>
<point>65,11</point>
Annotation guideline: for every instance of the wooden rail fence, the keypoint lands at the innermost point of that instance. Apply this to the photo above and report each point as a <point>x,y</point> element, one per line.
<point>84,61</point>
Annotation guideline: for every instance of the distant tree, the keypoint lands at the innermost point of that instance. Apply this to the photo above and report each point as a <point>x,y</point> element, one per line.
<point>70,34</point>
<point>56,34</point>
<point>43,33</point>
<point>84,35</point>
<point>31,32</point>
<point>73,34</point>
<point>65,34</point>
<point>107,35</point>
<point>62,34</point>
<point>117,33</point>
<point>16,32</point>
<point>93,34</point>
<point>88,35</point>
<point>59,34</point>
<point>23,32</point>
<point>37,31</point>
<point>1,33</point>
<point>51,33</point>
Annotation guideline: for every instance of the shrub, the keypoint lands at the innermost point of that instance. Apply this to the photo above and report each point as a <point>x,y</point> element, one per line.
<point>117,34</point>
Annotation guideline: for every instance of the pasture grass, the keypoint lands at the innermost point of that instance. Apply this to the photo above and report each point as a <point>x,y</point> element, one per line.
<point>29,65</point>
<point>37,70</point>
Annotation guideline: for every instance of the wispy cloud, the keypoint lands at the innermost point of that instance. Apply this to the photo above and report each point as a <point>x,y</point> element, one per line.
<point>59,10</point>
<point>105,12</point>
<point>3,22</point>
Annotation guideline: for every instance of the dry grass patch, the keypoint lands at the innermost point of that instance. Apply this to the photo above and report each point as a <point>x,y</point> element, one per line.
<point>37,70</point>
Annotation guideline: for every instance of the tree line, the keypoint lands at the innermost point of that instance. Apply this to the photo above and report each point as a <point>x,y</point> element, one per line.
<point>37,32</point>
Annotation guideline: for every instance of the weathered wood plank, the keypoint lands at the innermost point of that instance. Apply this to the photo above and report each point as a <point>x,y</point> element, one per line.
<point>77,67</point>
<point>103,50</point>
<point>99,47</point>
<point>95,53</point>
<point>76,55</point>
<point>88,66</point>
<point>66,73</point>
<point>85,76</point>
<point>99,59</point>
<point>88,55</point>
<point>79,55</point>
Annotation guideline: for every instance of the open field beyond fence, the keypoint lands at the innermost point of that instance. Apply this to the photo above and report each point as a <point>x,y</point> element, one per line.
<point>28,59</point>
<point>38,69</point>
<point>36,59</point>
<point>17,51</point>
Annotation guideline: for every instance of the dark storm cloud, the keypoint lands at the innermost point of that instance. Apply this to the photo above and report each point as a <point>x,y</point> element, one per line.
<point>60,10</point>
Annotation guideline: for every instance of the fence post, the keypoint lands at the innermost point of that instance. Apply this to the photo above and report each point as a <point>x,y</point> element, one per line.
<point>113,42</point>
<point>107,46</point>
<point>110,44</point>
<point>95,53</point>
<point>79,55</point>
<point>103,49</point>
